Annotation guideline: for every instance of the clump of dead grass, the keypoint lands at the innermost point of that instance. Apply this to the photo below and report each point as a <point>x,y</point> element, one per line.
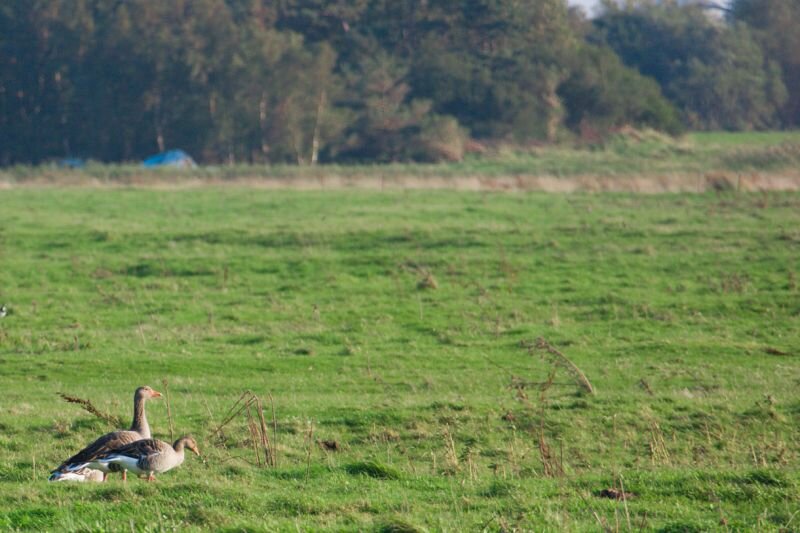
<point>427,281</point>
<point>558,359</point>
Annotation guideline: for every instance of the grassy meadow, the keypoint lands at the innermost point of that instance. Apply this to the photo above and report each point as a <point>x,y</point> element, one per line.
<point>397,335</point>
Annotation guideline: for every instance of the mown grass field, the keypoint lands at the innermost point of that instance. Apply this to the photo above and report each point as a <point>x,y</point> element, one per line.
<point>400,326</point>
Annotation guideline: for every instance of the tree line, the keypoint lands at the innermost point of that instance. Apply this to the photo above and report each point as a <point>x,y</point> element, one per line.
<point>307,81</point>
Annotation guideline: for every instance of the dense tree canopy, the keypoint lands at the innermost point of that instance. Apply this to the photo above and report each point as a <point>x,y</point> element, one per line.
<point>716,74</point>
<point>304,81</point>
<point>776,25</point>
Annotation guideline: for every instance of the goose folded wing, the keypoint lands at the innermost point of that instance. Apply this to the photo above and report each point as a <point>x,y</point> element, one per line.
<point>105,444</point>
<point>136,450</point>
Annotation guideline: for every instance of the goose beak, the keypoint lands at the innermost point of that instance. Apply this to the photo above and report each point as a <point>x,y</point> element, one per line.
<point>197,452</point>
<point>155,394</point>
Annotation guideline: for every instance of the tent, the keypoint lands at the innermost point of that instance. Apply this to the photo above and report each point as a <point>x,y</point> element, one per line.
<point>171,158</point>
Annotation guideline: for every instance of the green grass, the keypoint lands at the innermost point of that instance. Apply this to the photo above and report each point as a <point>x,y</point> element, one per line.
<point>744,138</point>
<point>625,154</point>
<point>682,310</point>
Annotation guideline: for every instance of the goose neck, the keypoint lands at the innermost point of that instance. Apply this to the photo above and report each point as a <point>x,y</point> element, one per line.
<point>139,423</point>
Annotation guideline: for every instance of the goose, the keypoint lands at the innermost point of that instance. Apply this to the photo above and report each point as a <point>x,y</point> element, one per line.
<point>76,468</point>
<point>3,311</point>
<point>82,475</point>
<point>146,457</point>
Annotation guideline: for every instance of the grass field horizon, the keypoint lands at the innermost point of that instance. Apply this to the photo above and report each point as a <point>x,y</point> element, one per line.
<point>628,161</point>
<point>397,333</point>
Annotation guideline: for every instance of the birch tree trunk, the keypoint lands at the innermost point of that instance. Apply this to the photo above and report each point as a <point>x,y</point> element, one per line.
<point>317,121</point>
<point>262,121</point>
<point>159,125</point>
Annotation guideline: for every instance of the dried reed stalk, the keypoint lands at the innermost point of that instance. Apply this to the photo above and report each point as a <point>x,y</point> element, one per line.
<point>233,412</point>
<point>551,467</point>
<point>450,454</point>
<point>274,432</point>
<point>269,457</point>
<point>169,410</point>
<point>560,359</point>
<point>256,426</point>
<point>254,435</point>
<point>88,406</point>
<point>625,502</point>
<point>310,444</point>
<point>658,446</point>
<point>471,469</point>
<point>600,522</point>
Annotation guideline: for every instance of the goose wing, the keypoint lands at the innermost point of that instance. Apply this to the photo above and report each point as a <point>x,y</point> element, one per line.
<point>137,456</point>
<point>101,446</point>
<point>136,450</point>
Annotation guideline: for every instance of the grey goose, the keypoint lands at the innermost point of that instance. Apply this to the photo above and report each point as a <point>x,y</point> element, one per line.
<point>146,457</point>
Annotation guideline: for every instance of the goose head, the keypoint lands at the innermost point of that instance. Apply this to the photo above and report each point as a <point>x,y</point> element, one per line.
<point>187,442</point>
<point>146,393</point>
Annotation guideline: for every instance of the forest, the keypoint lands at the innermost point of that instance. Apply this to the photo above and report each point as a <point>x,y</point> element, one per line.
<point>315,81</point>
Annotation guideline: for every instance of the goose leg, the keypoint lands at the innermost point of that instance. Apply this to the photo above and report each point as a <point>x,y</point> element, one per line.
<point>105,476</point>
<point>151,477</point>
<point>125,476</point>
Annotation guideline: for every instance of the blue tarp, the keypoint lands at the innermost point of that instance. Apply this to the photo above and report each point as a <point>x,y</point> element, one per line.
<point>71,162</point>
<point>171,158</point>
